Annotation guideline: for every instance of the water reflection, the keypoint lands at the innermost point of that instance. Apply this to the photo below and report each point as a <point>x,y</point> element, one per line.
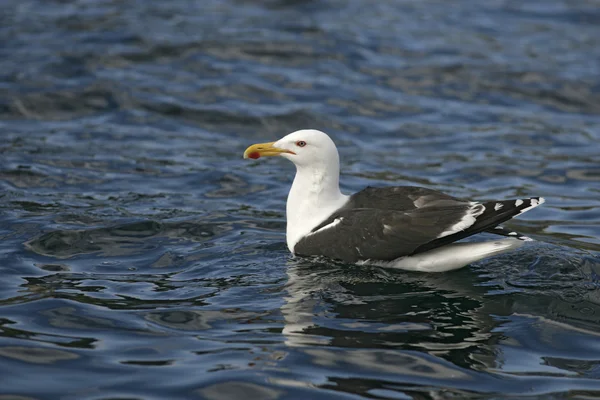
<point>121,240</point>
<point>36,355</point>
<point>410,327</point>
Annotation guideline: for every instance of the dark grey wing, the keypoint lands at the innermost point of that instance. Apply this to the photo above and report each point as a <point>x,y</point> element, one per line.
<point>362,234</point>
<point>381,234</point>
<point>399,198</point>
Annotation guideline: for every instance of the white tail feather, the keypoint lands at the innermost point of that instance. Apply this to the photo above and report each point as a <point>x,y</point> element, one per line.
<point>450,257</point>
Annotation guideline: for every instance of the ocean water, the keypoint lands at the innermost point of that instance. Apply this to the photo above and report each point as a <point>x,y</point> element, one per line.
<point>142,258</point>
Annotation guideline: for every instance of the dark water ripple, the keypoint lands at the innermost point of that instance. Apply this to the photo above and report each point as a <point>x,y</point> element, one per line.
<point>142,258</point>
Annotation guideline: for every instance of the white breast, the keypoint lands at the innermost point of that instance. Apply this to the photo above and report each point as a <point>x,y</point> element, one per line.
<point>305,213</point>
<point>312,199</point>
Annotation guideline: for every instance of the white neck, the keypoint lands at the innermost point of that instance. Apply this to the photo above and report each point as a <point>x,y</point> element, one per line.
<point>314,196</point>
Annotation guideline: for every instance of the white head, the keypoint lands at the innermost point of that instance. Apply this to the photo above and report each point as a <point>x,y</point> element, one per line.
<point>305,148</point>
<point>315,193</point>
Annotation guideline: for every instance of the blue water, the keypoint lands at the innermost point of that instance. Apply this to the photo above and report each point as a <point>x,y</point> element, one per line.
<point>142,258</point>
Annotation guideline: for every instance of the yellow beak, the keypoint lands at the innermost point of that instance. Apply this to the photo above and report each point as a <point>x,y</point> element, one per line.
<point>264,150</point>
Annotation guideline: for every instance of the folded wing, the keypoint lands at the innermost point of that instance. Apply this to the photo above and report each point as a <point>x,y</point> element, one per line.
<point>388,223</point>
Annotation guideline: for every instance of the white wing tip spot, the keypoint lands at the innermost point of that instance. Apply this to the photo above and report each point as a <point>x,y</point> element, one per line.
<point>518,203</point>
<point>498,206</point>
<point>533,203</point>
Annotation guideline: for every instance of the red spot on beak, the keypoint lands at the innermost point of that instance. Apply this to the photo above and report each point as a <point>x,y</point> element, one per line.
<point>254,155</point>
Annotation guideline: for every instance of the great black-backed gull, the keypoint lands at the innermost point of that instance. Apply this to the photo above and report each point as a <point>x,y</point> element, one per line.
<point>404,227</point>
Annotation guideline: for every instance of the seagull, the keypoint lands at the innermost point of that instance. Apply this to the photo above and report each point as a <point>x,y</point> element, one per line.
<point>404,227</point>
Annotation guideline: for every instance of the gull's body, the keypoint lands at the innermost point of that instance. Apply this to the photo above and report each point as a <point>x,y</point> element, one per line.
<point>403,227</point>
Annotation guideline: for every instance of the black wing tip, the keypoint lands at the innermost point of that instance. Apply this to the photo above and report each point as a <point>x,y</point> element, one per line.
<point>527,204</point>
<point>508,233</point>
<point>519,206</point>
<point>516,208</point>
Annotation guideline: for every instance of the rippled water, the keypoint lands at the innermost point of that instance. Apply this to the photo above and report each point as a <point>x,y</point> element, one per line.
<point>142,258</point>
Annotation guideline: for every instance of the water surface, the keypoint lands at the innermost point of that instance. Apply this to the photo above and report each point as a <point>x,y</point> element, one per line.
<point>142,258</point>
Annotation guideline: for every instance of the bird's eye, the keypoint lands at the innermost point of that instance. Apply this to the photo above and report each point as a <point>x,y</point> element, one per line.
<point>300,143</point>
